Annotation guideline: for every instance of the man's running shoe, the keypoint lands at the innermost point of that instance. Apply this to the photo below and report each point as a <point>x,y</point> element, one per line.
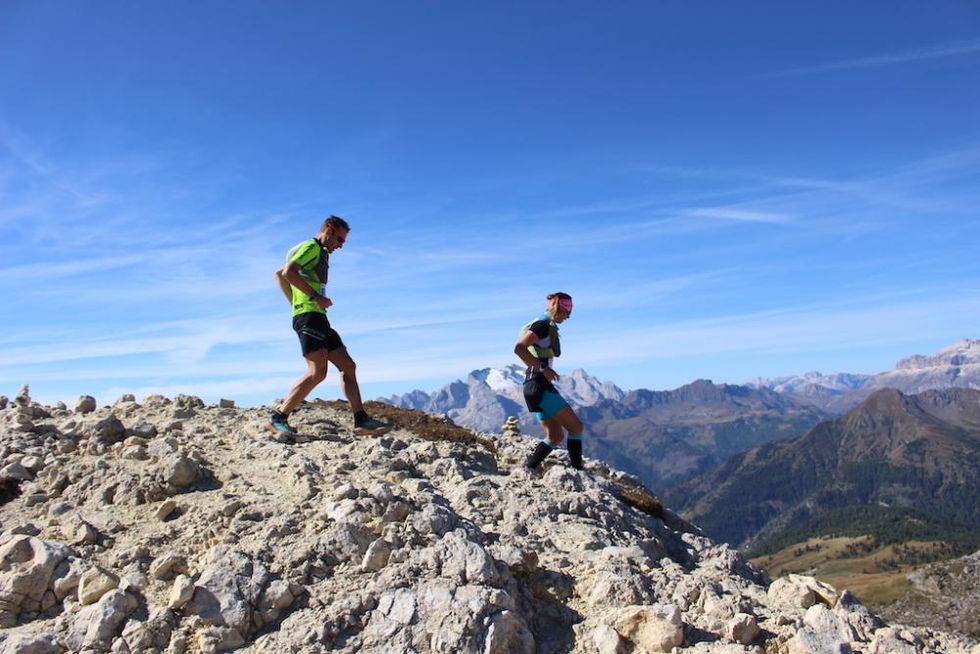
<point>370,426</point>
<point>281,431</point>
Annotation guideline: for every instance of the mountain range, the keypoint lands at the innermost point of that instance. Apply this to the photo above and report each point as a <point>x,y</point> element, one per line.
<point>914,453</point>
<point>660,436</point>
<point>667,437</point>
<point>957,365</point>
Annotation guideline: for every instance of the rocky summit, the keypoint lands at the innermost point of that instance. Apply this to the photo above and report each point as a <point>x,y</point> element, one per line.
<point>171,526</point>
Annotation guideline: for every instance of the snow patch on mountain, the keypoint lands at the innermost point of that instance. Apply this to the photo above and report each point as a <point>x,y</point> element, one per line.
<point>503,380</point>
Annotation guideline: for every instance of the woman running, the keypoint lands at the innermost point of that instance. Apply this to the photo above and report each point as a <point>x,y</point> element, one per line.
<point>537,345</point>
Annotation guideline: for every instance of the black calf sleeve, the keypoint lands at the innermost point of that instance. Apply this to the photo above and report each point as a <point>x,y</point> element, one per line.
<point>539,454</point>
<point>575,452</point>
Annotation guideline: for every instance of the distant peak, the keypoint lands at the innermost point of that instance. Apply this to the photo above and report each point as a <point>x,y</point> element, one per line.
<point>963,352</point>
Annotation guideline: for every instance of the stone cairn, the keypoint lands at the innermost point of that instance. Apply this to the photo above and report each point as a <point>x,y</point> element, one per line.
<point>512,427</point>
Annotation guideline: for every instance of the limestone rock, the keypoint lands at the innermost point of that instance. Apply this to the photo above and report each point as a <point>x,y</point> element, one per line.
<point>742,628</point>
<point>144,430</point>
<point>15,472</point>
<point>800,591</point>
<point>607,640</point>
<point>152,634</point>
<point>166,509</point>
<point>276,598</point>
<point>465,561</point>
<point>181,592</point>
<point>808,641</point>
<point>508,634</point>
<point>656,628</point>
<point>181,471</point>
<point>233,591</point>
<point>31,644</point>
<point>894,640</point>
<point>376,556</point>
<point>861,623</point>
<point>28,568</point>
<point>167,566</point>
<point>106,431</point>
<point>95,626</point>
<point>94,584</point>
<point>32,463</point>
<point>85,534</point>
<point>345,541</point>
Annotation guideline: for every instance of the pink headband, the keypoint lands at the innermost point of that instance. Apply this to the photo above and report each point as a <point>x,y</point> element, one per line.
<point>565,303</point>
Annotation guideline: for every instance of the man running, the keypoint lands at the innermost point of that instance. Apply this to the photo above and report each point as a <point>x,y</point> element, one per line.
<point>302,280</point>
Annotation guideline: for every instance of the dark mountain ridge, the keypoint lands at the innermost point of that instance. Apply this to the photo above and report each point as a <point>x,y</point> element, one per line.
<point>665,437</point>
<point>920,452</point>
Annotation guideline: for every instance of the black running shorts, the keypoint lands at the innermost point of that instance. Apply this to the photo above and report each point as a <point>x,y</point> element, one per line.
<point>315,333</point>
<point>541,396</point>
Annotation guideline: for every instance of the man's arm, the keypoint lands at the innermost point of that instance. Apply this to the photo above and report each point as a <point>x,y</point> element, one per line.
<point>284,284</point>
<point>290,273</point>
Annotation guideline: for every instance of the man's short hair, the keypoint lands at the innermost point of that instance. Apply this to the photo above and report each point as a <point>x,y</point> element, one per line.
<point>336,222</point>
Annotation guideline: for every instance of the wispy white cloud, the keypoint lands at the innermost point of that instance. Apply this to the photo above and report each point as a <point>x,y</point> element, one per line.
<point>186,341</point>
<point>22,150</point>
<point>921,185</point>
<point>739,215</point>
<point>638,293</point>
<point>43,271</point>
<point>940,51</point>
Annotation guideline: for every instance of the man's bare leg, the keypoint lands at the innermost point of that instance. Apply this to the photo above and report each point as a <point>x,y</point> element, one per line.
<point>316,372</point>
<point>363,423</point>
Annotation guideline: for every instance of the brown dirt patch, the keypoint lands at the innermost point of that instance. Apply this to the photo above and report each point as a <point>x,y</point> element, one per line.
<point>428,427</point>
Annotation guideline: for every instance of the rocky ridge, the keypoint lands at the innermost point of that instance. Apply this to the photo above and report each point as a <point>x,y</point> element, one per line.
<point>169,526</point>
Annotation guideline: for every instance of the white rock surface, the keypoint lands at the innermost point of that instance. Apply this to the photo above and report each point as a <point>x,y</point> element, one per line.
<point>172,527</point>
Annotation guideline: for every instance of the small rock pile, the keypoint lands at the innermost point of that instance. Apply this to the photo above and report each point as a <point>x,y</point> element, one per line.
<point>512,428</point>
<point>171,526</point>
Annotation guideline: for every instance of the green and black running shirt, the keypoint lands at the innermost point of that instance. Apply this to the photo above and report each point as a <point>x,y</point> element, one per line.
<point>314,263</point>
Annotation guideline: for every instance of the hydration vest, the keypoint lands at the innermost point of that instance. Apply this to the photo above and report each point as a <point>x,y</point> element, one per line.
<point>547,347</point>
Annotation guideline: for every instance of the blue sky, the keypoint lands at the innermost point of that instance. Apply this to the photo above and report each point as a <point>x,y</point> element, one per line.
<point>729,190</point>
